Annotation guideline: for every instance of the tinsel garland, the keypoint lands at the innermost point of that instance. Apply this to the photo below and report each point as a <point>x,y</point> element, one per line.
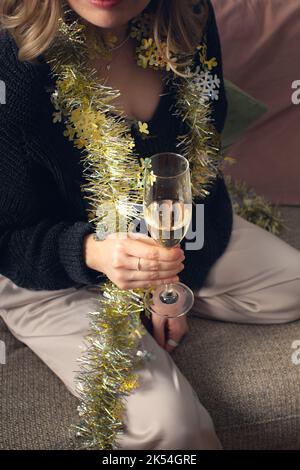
<point>114,184</point>
<point>253,207</point>
<point>250,205</point>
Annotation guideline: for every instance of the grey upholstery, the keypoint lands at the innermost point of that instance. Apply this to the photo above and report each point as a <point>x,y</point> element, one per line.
<point>243,374</point>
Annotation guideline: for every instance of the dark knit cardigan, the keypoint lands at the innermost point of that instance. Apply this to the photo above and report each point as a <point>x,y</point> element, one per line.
<point>43,215</point>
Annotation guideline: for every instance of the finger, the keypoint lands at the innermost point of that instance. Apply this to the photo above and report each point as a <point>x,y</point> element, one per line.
<point>176,330</point>
<point>132,236</point>
<point>146,284</point>
<point>147,239</point>
<point>142,237</point>
<point>169,347</point>
<point>159,330</point>
<point>165,268</point>
<point>131,262</point>
<point>137,236</point>
<point>140,249</point>
<point>134,275</point>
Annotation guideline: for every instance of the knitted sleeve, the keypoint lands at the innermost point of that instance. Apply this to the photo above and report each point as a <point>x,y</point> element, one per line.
<point>218,213</point>
<point>36,251</point>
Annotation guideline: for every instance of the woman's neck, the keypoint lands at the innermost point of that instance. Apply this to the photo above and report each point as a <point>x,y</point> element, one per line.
<point>121,32</point>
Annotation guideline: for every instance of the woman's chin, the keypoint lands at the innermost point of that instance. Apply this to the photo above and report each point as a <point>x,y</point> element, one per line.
<point>108,13</point>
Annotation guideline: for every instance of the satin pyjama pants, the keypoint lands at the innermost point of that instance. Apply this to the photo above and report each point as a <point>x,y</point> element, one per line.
<point>256,280</point>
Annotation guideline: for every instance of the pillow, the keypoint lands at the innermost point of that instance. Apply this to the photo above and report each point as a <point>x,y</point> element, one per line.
<point>243,111</point>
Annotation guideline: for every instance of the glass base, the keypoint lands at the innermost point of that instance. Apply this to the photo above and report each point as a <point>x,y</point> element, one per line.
<point>170,306</point>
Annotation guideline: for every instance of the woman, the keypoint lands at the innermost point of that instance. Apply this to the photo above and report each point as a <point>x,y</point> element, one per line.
<point>49,259</point>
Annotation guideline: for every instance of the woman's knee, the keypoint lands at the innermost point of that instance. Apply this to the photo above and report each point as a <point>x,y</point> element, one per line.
<point>175,424</point>
<point>191,435</point>
<point>181,421</point>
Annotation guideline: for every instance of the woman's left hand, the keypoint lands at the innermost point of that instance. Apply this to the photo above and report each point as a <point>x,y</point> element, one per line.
<point>165,328</point>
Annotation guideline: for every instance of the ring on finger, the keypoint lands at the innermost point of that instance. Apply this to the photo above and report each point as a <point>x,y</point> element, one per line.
<point>172,342</point>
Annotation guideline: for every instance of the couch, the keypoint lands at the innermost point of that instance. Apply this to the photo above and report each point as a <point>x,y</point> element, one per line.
<point>260,46</point>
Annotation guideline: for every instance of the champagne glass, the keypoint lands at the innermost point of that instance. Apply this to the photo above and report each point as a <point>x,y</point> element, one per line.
<point>167,208</point>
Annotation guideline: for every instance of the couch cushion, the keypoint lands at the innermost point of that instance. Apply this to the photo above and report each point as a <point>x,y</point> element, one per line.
<point>245,377</point>
<point>36,409</point>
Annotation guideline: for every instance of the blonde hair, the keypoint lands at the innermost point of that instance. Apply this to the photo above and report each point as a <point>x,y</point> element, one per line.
<point>34,24</point>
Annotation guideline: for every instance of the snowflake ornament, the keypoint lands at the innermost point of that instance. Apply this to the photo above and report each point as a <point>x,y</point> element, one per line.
<point>208,84</point>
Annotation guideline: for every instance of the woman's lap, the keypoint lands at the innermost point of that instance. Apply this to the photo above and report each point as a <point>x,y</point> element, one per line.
<point>256,280</point>
<point>164,412</point>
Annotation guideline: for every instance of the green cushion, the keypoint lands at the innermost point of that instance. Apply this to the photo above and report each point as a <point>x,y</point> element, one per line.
<point>243,111</point>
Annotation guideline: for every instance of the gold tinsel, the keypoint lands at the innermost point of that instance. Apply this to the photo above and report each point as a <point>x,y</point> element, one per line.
<point>108,366</point>
<point>114,183</point>
<point>250,205</point>
<point>201,146</point>
<point>253,207</point>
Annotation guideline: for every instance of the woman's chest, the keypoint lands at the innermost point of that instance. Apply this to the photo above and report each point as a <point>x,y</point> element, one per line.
<point>140,98</point>
<point>139,89</point>
<point>63,163</point>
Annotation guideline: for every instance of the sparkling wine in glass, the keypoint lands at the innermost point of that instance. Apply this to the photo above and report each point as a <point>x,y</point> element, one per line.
<point>167,208</point>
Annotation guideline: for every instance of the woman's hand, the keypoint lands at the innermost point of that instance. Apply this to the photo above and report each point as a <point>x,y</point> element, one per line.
<point>118,255</point>
<point>165,328</point>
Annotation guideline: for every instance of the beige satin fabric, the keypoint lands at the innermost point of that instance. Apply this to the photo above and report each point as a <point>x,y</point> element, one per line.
<point>256,280</point>
<point>163,413</point>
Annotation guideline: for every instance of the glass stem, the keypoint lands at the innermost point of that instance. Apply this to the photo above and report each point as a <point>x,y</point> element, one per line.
<point>168,295</point>
<point>168,289</point>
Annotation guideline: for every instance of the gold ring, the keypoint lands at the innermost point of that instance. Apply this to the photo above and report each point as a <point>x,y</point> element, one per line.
<point>139,264</point>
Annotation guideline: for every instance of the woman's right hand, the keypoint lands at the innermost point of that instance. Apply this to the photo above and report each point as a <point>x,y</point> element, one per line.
<point>117,256</point>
